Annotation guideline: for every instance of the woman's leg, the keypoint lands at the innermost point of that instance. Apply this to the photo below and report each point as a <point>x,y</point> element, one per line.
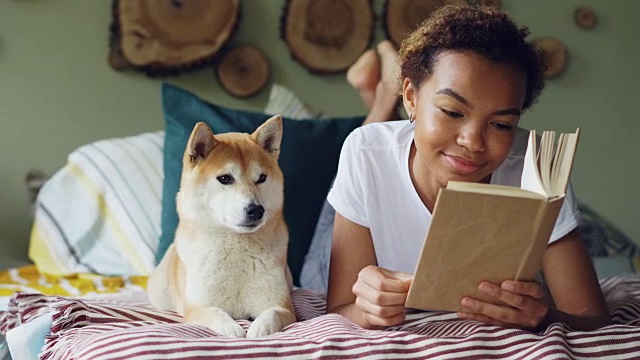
<point>375,75</point>
<point>364,75</point>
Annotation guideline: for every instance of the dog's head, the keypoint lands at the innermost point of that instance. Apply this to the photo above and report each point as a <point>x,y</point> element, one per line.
<point>233,179</point>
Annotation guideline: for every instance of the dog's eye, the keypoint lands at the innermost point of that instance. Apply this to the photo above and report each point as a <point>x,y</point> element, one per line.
<point>261,179</point>
<point>225,179</point>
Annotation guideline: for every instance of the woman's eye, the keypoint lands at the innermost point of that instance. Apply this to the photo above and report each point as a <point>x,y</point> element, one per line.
<point>225,179</point>
<point>502,126</point>
<point>452,114</point>
<point>261,179</point>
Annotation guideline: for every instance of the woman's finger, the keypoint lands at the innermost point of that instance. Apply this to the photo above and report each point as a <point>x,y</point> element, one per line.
<point>528,318</point>
<point>528,288</point>
<point>501,313</point>
<point>384,280</point>
<point>378,310</point>
<point>362,289</point>
<point>513,299</point>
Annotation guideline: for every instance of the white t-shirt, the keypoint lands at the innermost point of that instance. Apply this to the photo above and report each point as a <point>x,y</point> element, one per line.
<point>373,189</point>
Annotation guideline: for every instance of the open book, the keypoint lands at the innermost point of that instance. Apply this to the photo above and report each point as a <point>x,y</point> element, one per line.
<point>484,232</point>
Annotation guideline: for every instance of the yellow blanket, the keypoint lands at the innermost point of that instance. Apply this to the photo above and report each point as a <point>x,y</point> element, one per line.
<point>28,279</point>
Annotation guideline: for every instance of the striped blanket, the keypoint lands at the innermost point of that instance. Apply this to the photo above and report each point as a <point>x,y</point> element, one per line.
<point>103,329</point>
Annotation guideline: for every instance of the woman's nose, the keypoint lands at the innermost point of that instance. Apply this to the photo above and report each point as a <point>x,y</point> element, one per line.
<point>472,138</point>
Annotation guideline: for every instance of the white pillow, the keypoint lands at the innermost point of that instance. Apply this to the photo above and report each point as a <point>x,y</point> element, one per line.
<point>285,102</point>
<point>101,212</point>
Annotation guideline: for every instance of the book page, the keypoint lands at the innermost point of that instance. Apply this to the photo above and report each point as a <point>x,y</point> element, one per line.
<point>545,160</point>
<point>546,171</point>
<point>530,174</point>
<point>557,158</point>
<point>562,170</point>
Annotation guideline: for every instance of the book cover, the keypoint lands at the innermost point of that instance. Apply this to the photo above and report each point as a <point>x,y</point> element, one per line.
<point>484,232</point>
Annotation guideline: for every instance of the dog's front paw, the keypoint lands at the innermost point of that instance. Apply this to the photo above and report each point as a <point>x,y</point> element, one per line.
<point>264,326</point>
<point>215,319</point>
<point>270,322</point>
<point>229,329</point>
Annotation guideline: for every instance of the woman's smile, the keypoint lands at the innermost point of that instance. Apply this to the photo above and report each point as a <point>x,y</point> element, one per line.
<point>463,166</point>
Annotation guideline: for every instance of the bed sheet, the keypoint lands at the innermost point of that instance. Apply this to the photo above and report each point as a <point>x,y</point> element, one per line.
<point>129,328</point>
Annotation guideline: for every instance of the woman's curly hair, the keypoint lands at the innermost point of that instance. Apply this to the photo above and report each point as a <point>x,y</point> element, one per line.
<point>486,31</point>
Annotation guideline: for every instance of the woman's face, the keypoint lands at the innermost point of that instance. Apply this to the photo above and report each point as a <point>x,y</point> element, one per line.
<point>466,115</point>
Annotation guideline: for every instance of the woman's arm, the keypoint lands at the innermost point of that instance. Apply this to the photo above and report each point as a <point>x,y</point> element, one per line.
<point>574,285</point>
<point>359,290</point>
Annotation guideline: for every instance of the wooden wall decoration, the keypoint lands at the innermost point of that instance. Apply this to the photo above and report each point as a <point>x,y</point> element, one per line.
<point>585,17</point>
<point>244,70</point>
<point>166,37</point>
<point>554,53</point>
<point>327,36</point>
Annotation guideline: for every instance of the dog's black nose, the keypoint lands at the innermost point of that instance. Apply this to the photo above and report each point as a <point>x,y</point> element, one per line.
<point>254,211</point>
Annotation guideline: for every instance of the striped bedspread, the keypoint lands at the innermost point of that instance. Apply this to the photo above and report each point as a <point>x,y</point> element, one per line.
<point>102,329</point>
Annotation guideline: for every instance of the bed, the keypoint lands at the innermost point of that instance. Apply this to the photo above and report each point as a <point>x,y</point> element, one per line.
<point>102,222</point>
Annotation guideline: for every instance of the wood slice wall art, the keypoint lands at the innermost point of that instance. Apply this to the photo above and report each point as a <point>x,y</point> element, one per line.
<point>585,17</point>
<point>243,71</point>
<point>327,36</point>
<point>554,53</point>
<point>165,37</point>
<point>402,16</point>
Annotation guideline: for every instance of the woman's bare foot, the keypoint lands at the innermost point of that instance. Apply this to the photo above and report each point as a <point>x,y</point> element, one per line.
<point>387,91</point>
<point>389,69</point>
<point>364,76</point>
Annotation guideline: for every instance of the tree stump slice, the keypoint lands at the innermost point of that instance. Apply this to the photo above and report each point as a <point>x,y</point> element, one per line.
<point>327,36</point>
<point>585,17</point>
<point>244,71</point>
<point>403,16</point>
<point>161,37</point>
<point>554,54</point>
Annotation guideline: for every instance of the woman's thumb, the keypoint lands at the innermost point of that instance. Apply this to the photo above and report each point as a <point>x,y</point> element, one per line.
<point>405,278</point>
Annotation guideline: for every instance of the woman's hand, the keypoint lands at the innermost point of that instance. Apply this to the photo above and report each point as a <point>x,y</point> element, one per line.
<point>380,295</point>
<point>526,307</point>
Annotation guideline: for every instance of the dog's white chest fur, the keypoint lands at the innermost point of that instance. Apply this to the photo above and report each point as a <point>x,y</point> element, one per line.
<point>235,273</point>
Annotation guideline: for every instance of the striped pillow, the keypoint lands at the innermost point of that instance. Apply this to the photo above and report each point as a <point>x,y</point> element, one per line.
<point>101,212</point>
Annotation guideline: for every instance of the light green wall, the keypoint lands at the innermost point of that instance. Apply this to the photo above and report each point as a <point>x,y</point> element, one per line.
<point>57,92</point>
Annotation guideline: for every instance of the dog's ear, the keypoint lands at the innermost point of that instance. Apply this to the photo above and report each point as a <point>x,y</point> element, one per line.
<point>201,142</point>
<point>269,135</point>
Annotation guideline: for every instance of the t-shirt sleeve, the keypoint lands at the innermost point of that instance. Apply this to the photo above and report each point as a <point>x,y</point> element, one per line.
<point>568,218</point>
<point>347,195</point>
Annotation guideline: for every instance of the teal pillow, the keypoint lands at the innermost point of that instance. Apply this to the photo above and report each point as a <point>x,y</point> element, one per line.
<point>308,158</point>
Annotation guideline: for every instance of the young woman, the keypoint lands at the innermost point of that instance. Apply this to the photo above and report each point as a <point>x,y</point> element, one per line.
<point>468,74</point>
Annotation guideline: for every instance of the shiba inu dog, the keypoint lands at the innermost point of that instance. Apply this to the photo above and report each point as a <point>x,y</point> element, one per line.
<point>229,257</point>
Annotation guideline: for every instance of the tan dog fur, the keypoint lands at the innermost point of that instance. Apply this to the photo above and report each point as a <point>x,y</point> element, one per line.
<point>224,264</point>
